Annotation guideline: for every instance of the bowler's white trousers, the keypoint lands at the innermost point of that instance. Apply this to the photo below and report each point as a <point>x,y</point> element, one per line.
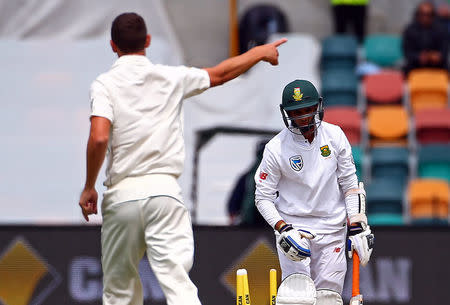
<point>159,225</point>
<point>327,265</point>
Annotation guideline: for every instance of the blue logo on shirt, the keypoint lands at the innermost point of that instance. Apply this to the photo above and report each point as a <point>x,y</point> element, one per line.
<point>296,162</point>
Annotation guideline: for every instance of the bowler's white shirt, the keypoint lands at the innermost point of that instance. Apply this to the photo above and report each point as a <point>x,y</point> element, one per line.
<point>311,180</point>
<point>143,101</point>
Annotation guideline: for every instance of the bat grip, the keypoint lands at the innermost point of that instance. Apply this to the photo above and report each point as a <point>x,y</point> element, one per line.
<point>355,275</point>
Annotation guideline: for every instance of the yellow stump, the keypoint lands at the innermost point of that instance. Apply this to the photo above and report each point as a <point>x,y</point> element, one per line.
<point>246,289</point>
<point>273,286</point>
<point>239,287</point>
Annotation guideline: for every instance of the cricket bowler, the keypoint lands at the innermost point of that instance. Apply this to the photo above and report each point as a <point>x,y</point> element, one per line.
<point>136,119</point>
<point>307,191</point>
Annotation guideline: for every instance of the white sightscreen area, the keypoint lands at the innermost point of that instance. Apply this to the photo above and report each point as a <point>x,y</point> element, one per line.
<point>50,57</point>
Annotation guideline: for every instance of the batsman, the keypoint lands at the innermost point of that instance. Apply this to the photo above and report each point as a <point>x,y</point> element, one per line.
<point>308,192</point>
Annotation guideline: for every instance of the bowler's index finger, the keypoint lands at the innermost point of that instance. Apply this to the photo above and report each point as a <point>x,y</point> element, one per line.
<point>279,42</point>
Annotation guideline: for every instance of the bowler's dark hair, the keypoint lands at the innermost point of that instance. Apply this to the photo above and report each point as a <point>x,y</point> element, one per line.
<point>128,32</point>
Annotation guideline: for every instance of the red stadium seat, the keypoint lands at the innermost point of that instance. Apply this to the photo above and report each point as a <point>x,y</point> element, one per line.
<point>385,87</point>
<point>433,126</point>
<point>348,118</point>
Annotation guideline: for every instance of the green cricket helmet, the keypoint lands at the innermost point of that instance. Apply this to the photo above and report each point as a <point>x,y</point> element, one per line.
<point>301,94</point>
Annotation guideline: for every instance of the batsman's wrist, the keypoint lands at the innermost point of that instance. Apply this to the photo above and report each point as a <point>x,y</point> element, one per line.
<point>280,224</point>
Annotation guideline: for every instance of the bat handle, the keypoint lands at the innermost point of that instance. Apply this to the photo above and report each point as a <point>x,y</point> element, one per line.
<point>355,275</point>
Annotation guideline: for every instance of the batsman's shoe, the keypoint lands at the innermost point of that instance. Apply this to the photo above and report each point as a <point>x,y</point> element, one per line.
<point>328,297</point>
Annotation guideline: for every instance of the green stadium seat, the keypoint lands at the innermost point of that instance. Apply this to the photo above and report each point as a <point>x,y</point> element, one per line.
<point>434,161</point>
<point>385,219</point>
<point>390,163</point>
<point>384,197</point>
<point>383,50</point>
<point>339,88</point>
<point>339,52</point>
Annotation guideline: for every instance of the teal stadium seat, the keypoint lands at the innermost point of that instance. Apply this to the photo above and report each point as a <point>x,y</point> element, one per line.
<point>386,219</point>
<point>390,163</point>
<point>434,161</point>
<point>430,222</point>
<point>384,197</point>
<point>339,52</point>
<point>383,50</point>
<point>339,88</point>
<point>358,158</point>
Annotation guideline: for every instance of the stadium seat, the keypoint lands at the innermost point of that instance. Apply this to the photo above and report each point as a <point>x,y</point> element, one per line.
<point>432,126</point>
<point>428,200</point>
<point>434,161</point>
<point>390,164</point>
<point>339,52</point>
<point>358,158</point>
<point>428,88</point>
<point>385,219</point>
<point>383,50</point>
<point>348,118</point>
<point>385,87</point>
<point>384,197</point>
<point>430,222</point>
<point>339,88</point>
<point>388,125</point>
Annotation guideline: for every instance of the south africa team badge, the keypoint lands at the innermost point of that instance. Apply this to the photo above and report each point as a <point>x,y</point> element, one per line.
<point>296,162</point>
<point>325,151</point>
<point>298,95</point>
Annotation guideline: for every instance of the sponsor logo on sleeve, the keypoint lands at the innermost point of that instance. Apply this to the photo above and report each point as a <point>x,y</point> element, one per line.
<point>263,176</point>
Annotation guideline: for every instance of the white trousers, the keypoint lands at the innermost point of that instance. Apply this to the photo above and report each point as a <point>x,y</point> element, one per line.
<point>326,266</point>
<point>159,225</point>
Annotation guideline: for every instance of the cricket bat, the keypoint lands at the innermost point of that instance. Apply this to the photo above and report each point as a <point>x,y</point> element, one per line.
<point>357,298</point>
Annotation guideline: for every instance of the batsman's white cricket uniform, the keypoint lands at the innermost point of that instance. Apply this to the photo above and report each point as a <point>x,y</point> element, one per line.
<point>142,207</point>
<point>311,180</point>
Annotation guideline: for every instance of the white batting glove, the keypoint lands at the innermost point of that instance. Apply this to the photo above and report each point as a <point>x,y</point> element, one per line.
<point>290,242</point>
<point>362,241</point>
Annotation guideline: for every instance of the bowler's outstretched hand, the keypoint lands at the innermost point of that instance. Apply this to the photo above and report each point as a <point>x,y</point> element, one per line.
<point>271,51</point>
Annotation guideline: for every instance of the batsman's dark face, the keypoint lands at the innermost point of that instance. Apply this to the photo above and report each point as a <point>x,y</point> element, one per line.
<point>303,116</point>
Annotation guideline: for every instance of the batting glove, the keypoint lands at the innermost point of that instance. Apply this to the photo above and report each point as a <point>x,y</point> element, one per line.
<point>291,244</point>
<point>362,241</point>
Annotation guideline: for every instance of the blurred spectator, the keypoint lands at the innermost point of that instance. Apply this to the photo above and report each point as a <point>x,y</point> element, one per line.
<point>258,23</point>
<point>424,40</point>
<point>241,204</point>
<point>443,14</point>
<point>350,13</point>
